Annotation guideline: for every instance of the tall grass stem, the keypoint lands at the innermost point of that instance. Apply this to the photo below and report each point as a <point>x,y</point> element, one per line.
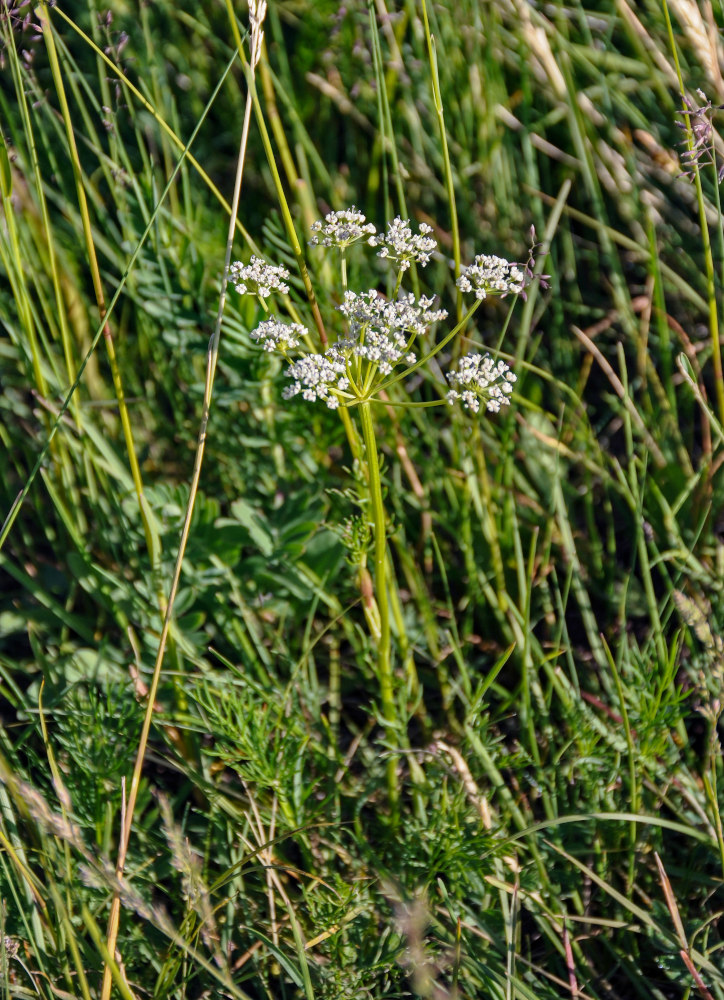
<point>212,357</point>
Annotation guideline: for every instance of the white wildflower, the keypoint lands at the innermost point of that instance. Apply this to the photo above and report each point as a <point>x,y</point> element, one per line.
<point>340,229</point>
<point>316,376</point>
<point>479,379</point>
<point>383,351</point>
<point>276,336</point>
<point>258,278</point>
<point>489,275</point>
<point>370,310</point>
<point>402,246</point>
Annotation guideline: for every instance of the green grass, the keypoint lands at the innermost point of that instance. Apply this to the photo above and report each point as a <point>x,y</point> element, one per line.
<point>556,607</point>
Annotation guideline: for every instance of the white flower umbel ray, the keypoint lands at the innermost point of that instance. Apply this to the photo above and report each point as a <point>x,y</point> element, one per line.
<point>478,381</point>
<point>401,246</point>
<point>341,229</point>
<point>431,354</point>
<point>258,277</point>
<point>491,275</point>
<point>443,343</point>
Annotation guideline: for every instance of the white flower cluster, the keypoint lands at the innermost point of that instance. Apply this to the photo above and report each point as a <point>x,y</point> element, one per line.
<point>276,336</point>
<point>370,310</point>
<point>489,275</point>
<point>380,332</point>
<point>316,375</point>
<point>479,378</point>
<point>378,348</point>
<point>402,246</point>
<point>258,278</point>
<point>339,229</point>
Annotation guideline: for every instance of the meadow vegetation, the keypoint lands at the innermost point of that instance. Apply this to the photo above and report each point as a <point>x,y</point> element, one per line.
<point>436,708</point>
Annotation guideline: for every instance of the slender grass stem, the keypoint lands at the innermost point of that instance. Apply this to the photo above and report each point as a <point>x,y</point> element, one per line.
<point>632,773</point>
<point>50,240</point>
<point>21,497</point>
<point>153,542</point>
<point>716,353</point>
<point>447,165</point>
<point>160,121</point>
<point>212,358</point>
<point>278,186</point>
<point>384,658</point>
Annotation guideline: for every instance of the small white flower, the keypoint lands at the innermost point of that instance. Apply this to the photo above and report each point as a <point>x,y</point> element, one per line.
<point>402,246</point>
<point>340,229</point>
<point>397,319</point>
<point>489,275</point>
<point>258,278</point>
<point>479,379</point>
<point>276,336</point>
<point>315,375</point>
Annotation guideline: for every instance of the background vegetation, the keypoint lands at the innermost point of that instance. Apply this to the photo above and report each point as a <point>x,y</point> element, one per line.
<point>559,565</point>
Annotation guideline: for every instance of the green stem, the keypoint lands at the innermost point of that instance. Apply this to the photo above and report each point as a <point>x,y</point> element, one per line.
<point>278,186</point>
<point>162,124</point>
<point>430,354</point>
<point>153,543</point>
<point>343,267</point>
<point>382,638</point>
<point>705,235</point>
<point>633,777</point>
<point>447,165</point>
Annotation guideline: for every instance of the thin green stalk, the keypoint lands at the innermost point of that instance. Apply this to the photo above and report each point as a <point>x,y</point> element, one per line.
<point>710,788</point>
<point>49,237</point>
<point>386,129</point>
<point>212,358</point>
<point>153,543</point>
<point>633,779</point>
<point>162,123</point>
<point>278,186</point>
<point>45,242</point>
<point>13,260</point>
<point>447,165</point>
<point>637,507</point>
<point>21,497</point>
<point>704,227</point>
<point>382,638</point>
<point>114,917</point>
<point>720,218</point>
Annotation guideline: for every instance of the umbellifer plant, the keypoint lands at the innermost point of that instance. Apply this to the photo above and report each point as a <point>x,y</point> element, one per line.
<point>381,348</point>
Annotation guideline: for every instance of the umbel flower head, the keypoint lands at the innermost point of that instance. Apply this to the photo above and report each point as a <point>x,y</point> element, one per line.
<point>490,275</point>
<point>401,316</point>
<point>276,336</point>
<point>340,229</point>
<point>402,246</point>
<point>258,278</point>
<point>480,380</point>
<point>316,375</point>
<point>381,333</point>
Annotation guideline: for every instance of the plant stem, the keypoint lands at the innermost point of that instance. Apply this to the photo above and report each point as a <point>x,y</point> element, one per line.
<point>212,357</point>
<point>153,543</point>
<point>447,165</point>
<point>382,638</point>
<point>705,235</point>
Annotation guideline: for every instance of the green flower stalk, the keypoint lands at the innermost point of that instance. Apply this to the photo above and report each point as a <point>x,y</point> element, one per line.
<point>355,372</point>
